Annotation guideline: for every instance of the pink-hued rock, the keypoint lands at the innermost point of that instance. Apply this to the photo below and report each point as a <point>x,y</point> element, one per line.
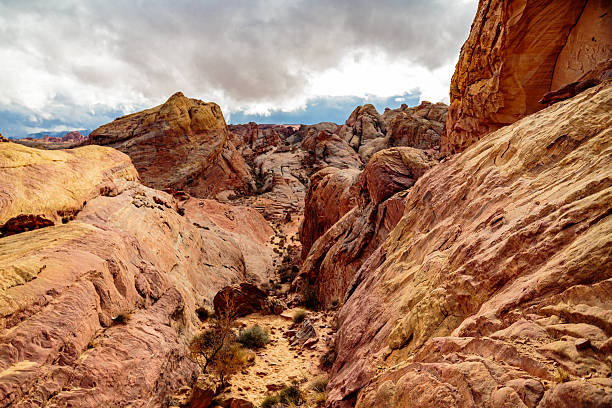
<point>98,311</point>
<point>336,256</point>
<point>182,144</point>
<point>494,288</point>
<point>368,132</point>
<point>517,52</point>
<point>328,198</point>
<point>253,139</point>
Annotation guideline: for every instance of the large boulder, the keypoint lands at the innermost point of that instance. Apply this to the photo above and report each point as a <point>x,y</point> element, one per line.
<point>494,287</point>
<point>176,144</point>
<point>516,52</point>
<point>239,300</point>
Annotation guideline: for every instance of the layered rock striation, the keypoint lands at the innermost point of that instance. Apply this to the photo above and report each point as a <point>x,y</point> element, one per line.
<point>97,310</point>
<point>377,199</point>
<point>494,287</point>
<point>517,52</point>
<point>182,144</point>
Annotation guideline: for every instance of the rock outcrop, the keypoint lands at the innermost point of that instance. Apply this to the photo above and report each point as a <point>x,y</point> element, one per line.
<point>494,287</point>
<point>517,52</point>
<point>368,132</point>
<point>96,311</point>
<point>328,149</point>
<point>339,252</point>
<point>183,145</point>
<point>245,298</point>
<point>253,139</point>
<point>328,198</point>
<point>42,188</point>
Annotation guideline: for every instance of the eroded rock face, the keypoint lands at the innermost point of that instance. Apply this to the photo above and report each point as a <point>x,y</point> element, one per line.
<point>420,127</point>
<point>241,300</point>
<point>41,188</point>
<point>516,52</point>
<point>339,252</point>
<point>97,311</point>
<point>328,149</point>
<point>494,287</point>
<point>253,139</point>
<point>368,132</point>
<point>328,198</point>
<point>182,144</point>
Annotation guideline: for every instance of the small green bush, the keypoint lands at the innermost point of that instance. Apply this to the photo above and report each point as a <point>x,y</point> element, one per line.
<point>254,337</point>
<point>299,316</point>
<point>291,395</point>
<point>270,401</point>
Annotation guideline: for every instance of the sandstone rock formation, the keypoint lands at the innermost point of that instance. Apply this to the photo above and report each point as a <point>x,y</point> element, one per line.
<point>494,287</point>
<point>239,300</point>
<point>243,226</point>
<point>368,132</point>
<point>243,299</point>
<point>176,144</point>
<point>328,198</point>
<point>42,188</point>
<point>96,311</point>
<point>328,149</point>
<point>363,125</point>
<point>517,52</point>
<point>339,252</point>
<point>253,139</point>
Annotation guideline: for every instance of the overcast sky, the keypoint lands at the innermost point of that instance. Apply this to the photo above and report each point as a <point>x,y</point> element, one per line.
<point>77,64</point>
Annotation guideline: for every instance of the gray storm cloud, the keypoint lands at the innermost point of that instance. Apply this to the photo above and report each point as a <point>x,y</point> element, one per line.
<point>239,51</point>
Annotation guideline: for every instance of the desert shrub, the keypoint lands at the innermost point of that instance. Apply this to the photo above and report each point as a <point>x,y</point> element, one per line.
<point>203,313</point>
<point>319,399</point>
<point>563,375</point>
<point>291,395</point>
<point>309,296</point>
<point>299,316</point>
<point>215,348</point>
<point>122,318</point>
<point>270,401</point>
<point>320,385</point>
<point>254,337</point>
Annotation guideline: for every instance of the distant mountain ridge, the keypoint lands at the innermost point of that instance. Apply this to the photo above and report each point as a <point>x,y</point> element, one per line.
<point>40,135</point>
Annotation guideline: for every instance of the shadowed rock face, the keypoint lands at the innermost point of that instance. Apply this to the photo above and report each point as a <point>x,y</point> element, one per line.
<point>97,311</point>
<point>495,285</point>
<point>176,145</point>
<point>516,52</point>
<point>328,198</point>
<point>339,252</point>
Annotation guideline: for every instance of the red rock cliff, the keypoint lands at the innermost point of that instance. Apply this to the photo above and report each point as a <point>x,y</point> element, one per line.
<point>494,289</point>
<point>516,52</point>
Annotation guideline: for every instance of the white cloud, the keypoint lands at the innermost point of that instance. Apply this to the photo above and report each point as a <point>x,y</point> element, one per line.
<point>69,57</point>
